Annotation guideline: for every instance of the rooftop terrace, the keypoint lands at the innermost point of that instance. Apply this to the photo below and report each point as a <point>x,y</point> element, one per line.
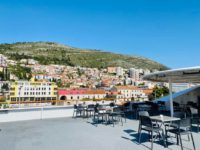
<point>74,134</point>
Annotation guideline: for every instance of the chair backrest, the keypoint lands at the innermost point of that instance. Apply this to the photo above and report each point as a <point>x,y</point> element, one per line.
<point>97,104</point>
<point>176,104</point>
<point>193,111</point>
<point>116,109</point>
<point>143,113</point>
<point>75,106</point>
<point>96,109</point>
<point>134,106</point>
<point>127,104</point>
<point>145,121</point>
<point>91,106</point>
<point>100,106</point>
<point>112,104</point>
<point>179,114</point>
<point>185,123</point>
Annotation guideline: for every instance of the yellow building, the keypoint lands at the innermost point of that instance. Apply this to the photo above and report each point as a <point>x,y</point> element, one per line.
<point>32,91</point>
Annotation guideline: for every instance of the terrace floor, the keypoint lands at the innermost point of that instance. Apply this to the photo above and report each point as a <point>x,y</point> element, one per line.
<point>75,134</point>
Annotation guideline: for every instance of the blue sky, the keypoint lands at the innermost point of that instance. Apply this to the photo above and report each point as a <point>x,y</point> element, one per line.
<point>167,31</point>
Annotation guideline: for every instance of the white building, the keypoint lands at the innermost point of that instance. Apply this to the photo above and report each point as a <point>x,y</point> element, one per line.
<point>134,74</point>
<point>119,71</point>
<point>132,92</point>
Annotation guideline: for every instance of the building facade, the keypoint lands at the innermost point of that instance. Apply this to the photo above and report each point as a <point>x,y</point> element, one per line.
<point>81,94</point>
<point>32,91</point>
<point>134,74</point>
<point>119,71</point>
<point>132,93</point>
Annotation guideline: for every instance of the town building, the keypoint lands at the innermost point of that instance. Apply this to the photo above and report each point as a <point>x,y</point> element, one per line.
<point>134,74</point>
<point>81,94</point>
<point>132,93</point>
<point>111,69</point>
<point>119,71</point>
<point>32,91</point>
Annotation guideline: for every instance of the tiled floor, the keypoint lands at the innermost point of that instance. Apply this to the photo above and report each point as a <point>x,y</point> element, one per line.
<point>77,134</point>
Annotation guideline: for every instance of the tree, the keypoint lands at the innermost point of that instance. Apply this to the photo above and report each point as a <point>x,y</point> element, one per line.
<point>158,92</point>
<point>5,86</point>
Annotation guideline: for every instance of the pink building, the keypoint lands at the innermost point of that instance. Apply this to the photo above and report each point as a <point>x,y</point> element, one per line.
<point>79,94</point>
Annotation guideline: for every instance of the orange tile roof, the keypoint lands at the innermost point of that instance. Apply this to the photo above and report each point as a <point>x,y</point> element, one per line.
<point>95,92</point>
<point>148,91</point>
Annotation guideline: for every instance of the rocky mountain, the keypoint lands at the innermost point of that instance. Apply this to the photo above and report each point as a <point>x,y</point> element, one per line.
<point>54,53</point>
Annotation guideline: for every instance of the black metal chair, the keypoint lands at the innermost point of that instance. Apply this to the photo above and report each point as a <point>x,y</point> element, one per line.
<point>193,113</point>
<point>142,113</point>
<point>174,124</point>
<point>117,115</point>
<point>98,113</point>
<point>184,128</point>
<point>76,111</point>
<point>145,113</point>
<point>90,110</point>
<point>147,125</point>
<point>177,114</point>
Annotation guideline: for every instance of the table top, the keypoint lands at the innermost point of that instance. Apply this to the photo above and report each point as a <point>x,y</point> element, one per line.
<point>164,118</point>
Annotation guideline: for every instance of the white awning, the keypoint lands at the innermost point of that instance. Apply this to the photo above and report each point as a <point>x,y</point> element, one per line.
<point>183,75</point>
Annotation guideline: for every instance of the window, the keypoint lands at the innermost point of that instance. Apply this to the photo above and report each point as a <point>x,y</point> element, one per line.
<point>12,93</point>
<point>13,99</point>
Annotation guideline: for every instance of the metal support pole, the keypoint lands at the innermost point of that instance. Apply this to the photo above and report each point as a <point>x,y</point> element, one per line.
<point>171,98</point>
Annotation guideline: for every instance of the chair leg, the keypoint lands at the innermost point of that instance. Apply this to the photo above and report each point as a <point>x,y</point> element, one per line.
<point>193,141</point>
<point>188,137</point>
<point>164,138</point>
<point>140,136</point>
<point>177,139</point>
<point>181,142</point>
<point>113,121</point>
<point>124,117</point>
<point>139,128</point>
<point>120,119</point>
<point>73,114</point>
<point>149,135</point>
<point>151,140</point>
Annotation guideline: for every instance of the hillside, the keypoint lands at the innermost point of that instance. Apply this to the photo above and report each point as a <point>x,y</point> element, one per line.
<point>53,53</point>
